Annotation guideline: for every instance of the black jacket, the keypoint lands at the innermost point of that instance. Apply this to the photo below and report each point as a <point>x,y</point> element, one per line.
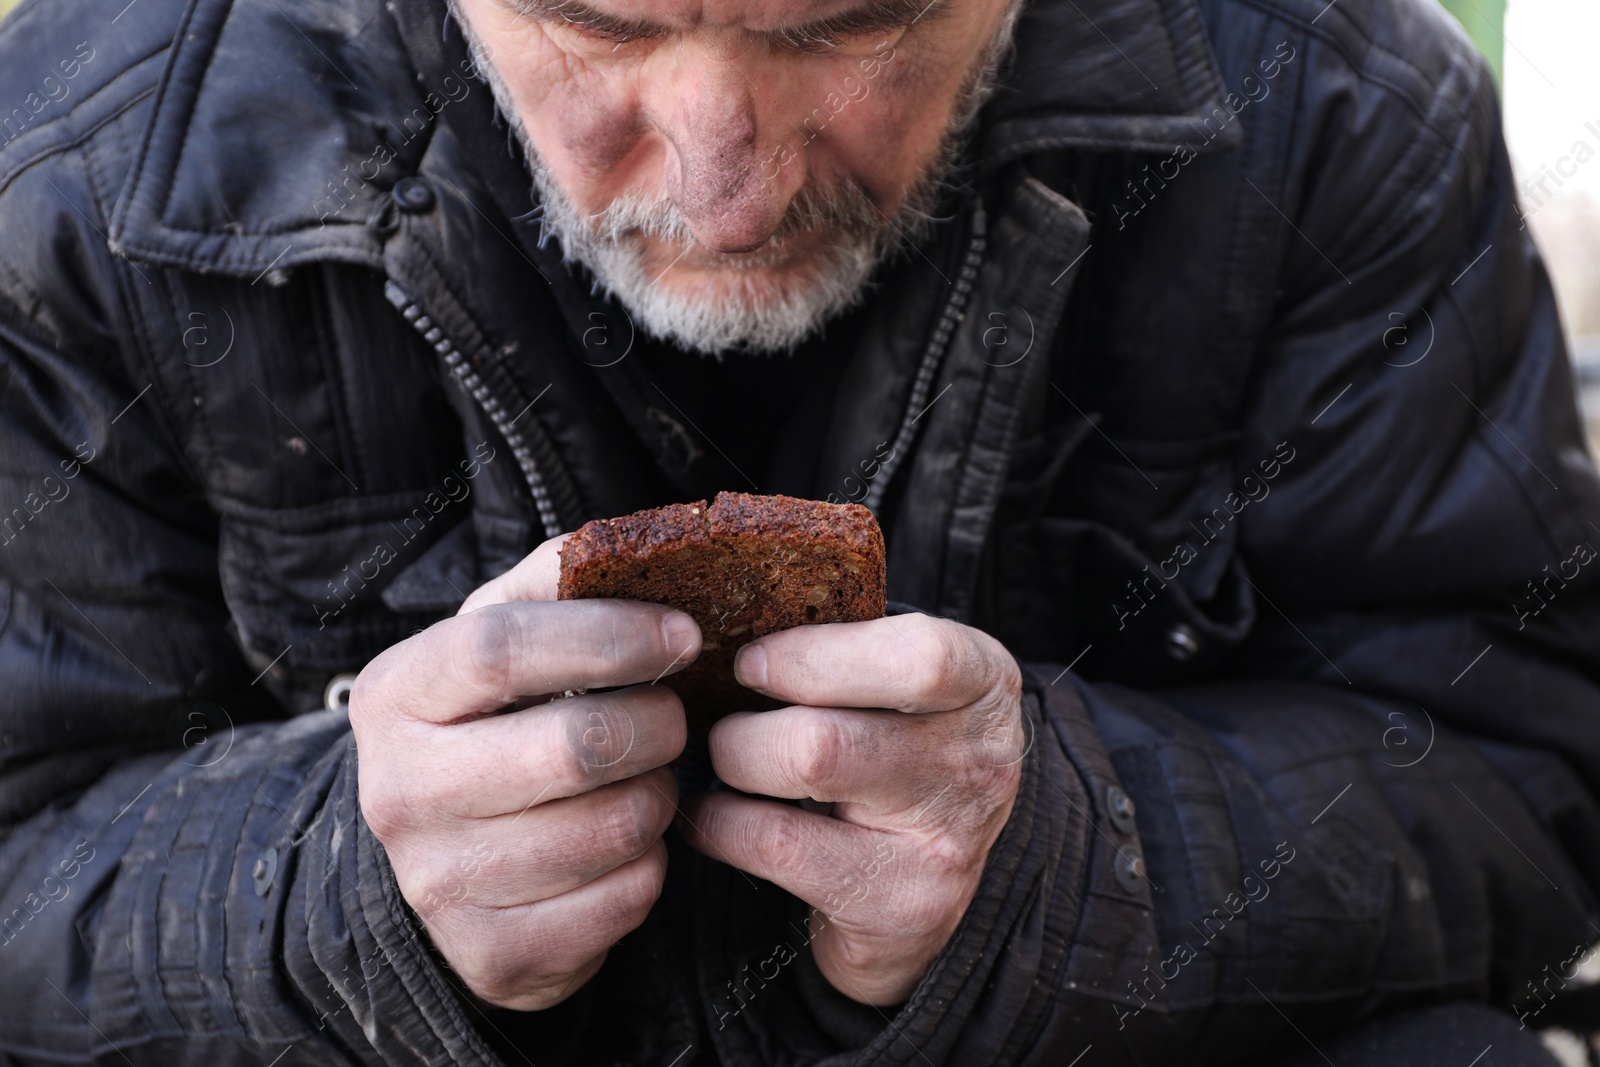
<point>1230,395</point>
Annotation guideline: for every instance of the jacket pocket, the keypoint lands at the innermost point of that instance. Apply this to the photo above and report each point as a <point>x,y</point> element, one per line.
<point>305,587</point>
<point>1070,587</point>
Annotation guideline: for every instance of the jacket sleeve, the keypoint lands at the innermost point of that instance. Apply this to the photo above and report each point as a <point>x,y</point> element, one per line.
<point>1386,795</point>
<point>185,877</point>
<point>1286,870</point>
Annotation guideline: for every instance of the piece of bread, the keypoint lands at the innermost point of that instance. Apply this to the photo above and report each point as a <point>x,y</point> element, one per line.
<point>744,567</point>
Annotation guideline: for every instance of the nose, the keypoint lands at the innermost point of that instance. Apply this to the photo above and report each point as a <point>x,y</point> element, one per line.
<point>722,171</point>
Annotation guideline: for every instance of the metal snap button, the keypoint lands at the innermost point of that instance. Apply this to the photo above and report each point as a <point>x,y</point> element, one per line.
<point>1182,643</point>
<point>336,697</point>
<point>1130,869</point>
<point>265,869</point>
<point>413,195</point>
<point>1120,807</point>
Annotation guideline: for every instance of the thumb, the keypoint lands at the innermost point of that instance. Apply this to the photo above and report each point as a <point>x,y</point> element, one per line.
<point>534,578</point>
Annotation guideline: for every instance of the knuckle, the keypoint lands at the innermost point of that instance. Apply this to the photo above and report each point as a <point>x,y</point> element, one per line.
<point>632,897</point>
<point>628,828</point>
<point>366,694</point>
<point>392,805</point>
<point>822,749</point>
<point>601,735</point>
<point>996,740</point>
<point>779,837</point>
<point>387,821</point>
<point>905,670</point>
<point>622,642</point>
<point>923,663</point>
<point>653,876</point>
<point>616,640</point>
<point>420,884</point>
<point>944,859</point>
<point>1008,686</point>
<point>492,964</point>
<point>993,777</point>
<point>492,988</point>
<point>480,649</point>
<point>876,959</point>
<point>507,962</point>
<point>439,890</point>
<point>862,955</point>
<point>570,763</point>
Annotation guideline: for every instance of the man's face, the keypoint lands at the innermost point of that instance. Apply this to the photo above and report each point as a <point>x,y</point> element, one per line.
<point>733,170</point>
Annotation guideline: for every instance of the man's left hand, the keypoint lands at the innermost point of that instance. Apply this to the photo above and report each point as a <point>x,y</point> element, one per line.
<point>911,727</point>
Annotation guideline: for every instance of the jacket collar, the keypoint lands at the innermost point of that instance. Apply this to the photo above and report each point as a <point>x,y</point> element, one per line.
<point>251,164</point>
<point>1108,75</point>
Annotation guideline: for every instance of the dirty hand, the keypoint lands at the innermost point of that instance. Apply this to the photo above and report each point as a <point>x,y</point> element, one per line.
<point>912,727</point>
<point>525,832</point>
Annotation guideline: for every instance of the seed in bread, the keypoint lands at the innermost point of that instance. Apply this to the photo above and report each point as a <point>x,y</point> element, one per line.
<point>743,567</point>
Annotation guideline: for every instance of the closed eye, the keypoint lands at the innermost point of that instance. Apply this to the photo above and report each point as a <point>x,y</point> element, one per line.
<point>862,23</point>
<point>876,18</point>
<point>616,34</point>
<point>593,24</point>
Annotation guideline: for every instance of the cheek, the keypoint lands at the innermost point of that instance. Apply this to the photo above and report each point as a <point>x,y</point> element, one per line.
<point>897,129</point>
<point>584,124</point>
<point>596,135</point>
<point>886,139</point>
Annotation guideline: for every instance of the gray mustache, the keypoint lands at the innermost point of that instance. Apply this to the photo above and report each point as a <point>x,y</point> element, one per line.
<point>843,208</point>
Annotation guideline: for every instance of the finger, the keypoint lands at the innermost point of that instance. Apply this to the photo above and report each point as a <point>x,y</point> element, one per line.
<point>877,758</point>
<point>905,662</point>
<point>533,578</point>
<point>531,955</point>
<point>508,763</point>
<point>541,852</point>
<point>465,666</point>
<point>834,866</point>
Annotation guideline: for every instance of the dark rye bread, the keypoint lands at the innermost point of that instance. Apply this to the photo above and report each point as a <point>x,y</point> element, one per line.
<point>745,566</point>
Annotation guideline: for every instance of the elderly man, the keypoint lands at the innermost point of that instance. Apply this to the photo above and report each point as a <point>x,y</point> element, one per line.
<point>1240,695</point>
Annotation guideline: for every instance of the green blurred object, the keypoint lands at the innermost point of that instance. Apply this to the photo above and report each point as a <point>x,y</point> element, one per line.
<point>6,6</point>
<point>1484,20</point>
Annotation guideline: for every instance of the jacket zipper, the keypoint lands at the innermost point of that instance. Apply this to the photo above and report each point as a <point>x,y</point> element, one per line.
<point>484,391</point>
<point>496,395</point>
<point>916,406</point>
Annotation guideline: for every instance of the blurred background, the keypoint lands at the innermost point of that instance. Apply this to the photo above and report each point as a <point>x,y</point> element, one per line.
<point>1550,85</point>
<point>1543,53</point>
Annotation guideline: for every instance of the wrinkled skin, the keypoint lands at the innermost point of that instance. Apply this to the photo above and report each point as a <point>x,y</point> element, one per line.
<point>728,106</point>
<point>529,841</point>
<point>909,727</point>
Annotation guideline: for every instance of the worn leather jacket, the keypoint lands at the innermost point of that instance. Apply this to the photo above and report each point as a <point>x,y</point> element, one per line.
<point>1229,393</point>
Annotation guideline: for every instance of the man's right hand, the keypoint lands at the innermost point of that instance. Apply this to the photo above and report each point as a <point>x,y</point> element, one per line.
<point>528,842</point>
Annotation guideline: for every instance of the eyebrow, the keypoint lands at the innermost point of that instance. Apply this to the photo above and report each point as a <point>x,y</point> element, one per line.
<point>871,16</point>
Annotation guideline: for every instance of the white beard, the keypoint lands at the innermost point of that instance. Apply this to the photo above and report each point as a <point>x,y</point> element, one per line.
<point>757,313</point>
<point>751,310</point>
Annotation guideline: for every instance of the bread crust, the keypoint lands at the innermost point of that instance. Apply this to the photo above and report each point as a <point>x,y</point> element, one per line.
<point>742,567</point>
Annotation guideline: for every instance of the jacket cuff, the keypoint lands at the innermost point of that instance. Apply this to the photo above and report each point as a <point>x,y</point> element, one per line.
<point>1049,918</point>
<point>1045,922</point>
<point>358,953</point>
<point>967,981</point>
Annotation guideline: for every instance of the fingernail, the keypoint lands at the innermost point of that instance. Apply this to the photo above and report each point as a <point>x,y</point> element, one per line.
<point>750,667</point>
<point>679,631</point>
